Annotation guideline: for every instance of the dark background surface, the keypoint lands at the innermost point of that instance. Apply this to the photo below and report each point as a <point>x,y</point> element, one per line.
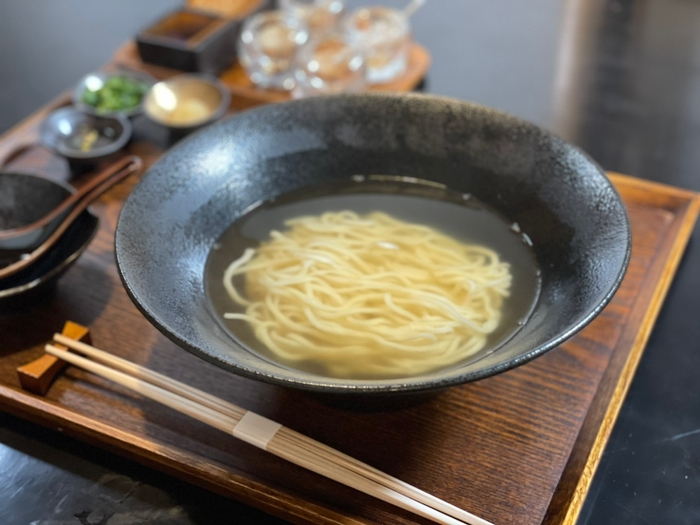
<point>621,79</point>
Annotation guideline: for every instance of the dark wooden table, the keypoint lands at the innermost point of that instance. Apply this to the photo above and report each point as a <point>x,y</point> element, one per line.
<point>618,78</point>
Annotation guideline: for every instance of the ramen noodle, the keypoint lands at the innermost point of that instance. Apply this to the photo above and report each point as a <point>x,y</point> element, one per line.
<point>368,296</point>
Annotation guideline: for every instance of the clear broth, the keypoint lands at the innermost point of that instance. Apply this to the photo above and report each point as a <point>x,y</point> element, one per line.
<point>458,215</point>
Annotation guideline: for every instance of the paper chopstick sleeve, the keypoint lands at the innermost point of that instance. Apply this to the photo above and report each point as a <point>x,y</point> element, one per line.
<point>256,430</point>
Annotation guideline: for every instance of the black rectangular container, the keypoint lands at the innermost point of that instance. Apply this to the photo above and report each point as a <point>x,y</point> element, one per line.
<point>191,40</point>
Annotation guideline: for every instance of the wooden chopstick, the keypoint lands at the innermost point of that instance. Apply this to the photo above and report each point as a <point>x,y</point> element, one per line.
<point>285,442</point>
<point>284,434</point>
<point>152,377</point>
<point>227,424</point>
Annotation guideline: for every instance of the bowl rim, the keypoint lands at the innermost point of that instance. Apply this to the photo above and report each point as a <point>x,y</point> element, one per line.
<point>399,385</point>
<point>205,78</point>
<point>65,263</point>
<point>96,153</point>
<point>120,71</point>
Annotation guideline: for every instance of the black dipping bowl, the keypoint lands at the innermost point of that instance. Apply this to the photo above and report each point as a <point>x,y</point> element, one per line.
<point>65,129</point>
<point>23,199</point>
<point>561,198</point>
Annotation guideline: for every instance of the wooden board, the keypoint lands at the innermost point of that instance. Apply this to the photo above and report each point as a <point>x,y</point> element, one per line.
<point>225,8</point>
<point>246,94</point>
<point>519,448</point>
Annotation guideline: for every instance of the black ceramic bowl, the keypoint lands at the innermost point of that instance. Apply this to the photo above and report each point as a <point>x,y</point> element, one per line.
<point>25,198</point>
<point>570,210</point>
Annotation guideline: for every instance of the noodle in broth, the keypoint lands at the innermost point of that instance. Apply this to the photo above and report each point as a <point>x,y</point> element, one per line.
<point>369,295</point>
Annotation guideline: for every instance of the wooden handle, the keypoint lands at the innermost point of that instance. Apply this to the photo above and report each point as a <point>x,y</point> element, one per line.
<point>37,376</point>
<point>17,152</point>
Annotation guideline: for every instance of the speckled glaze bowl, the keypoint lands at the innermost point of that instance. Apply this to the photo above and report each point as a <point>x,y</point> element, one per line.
<point>570,210</point>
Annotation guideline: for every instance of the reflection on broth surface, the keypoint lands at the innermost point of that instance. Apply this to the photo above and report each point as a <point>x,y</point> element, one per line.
<point>373,278</point>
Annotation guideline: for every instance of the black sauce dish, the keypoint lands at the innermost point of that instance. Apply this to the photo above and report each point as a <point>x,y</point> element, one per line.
<point>169,99</point>
<point>558,195</point>
<point>25,198</point>
<point>84,139</point>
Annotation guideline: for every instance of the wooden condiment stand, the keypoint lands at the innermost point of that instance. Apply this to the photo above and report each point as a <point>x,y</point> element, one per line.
<point>247,95</point>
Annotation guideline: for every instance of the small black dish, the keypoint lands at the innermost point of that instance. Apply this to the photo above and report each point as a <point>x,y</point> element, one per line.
<point>186,103</point>
<point>97,80</point>
<point>23,199</point>
<point>84,139</point>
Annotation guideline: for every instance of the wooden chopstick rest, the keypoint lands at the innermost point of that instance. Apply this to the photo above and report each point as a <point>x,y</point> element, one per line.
<point>37,376</point>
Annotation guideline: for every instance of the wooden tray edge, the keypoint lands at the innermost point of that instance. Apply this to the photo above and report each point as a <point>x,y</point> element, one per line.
<point>166,459</point>
<point>690,215</point>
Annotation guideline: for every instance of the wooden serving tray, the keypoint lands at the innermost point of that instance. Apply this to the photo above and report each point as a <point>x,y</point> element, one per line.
<point>519,448</point>
<point>246,94</point>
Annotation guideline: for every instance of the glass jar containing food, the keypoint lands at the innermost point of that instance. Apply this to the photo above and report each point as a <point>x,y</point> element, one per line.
<point>384,36</point>
<point>268,48</point>
<point>329,64</point>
